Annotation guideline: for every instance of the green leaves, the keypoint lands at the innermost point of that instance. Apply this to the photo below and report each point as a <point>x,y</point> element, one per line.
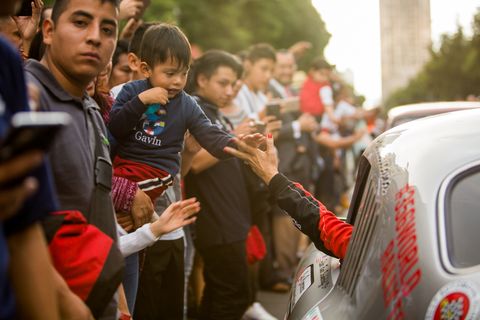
<point>233,25</point>
<point>452,73</point>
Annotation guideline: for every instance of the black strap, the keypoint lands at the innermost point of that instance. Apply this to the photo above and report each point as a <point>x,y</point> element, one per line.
<point>101,208</point>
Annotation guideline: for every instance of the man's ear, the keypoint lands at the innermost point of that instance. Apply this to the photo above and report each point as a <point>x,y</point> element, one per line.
<point>48,28</point>
<point>202,81</point>
<point>145,69</point>
<point>133,61</point>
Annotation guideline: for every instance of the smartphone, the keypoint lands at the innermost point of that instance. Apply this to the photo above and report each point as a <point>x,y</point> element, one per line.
<point>260,127</point>
<point>32,131</point>
<point>25,9</point>
<point>273,109</point>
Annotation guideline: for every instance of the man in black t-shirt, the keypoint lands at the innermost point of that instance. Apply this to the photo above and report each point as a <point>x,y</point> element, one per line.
<point>223,223</point>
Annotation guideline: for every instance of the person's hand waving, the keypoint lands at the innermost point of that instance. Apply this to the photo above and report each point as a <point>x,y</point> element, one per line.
<point>28,25</point>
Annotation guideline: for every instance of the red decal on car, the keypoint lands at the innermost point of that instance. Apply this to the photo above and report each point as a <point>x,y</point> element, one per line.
<point>400,271</point>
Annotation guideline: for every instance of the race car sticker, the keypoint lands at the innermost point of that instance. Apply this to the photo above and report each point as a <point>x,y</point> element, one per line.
<point>325,273</point>
<point>459,300</point>
<point>313,314</point>
<point>303,282</point>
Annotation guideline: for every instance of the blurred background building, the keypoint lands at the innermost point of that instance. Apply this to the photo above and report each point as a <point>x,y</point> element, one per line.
<point>405,41</point>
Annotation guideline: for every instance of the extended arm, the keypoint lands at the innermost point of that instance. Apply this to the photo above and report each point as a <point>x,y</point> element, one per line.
<point>327,140</point>
<point>323,227</point>
<point>311,216</point>
<point>208,135</point>
<point>31,274</point>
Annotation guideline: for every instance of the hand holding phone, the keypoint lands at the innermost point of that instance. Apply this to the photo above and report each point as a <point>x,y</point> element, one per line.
<point>273,109</point>
<point>32,131</point>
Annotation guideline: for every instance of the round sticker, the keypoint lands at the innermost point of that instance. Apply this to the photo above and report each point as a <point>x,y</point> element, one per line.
<point>455,301</point>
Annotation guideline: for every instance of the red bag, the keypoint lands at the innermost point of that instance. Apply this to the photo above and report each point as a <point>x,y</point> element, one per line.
<point>256,249</point>
<point>83,255</point>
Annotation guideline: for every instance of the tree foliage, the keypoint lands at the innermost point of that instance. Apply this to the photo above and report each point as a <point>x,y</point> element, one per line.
<point>452,73</point>
<point>233,25</point>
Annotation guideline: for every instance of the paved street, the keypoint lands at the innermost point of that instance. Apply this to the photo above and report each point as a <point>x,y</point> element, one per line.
<point>275,303</point>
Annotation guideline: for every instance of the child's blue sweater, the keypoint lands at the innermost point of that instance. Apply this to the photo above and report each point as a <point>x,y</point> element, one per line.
<point>156,138</point>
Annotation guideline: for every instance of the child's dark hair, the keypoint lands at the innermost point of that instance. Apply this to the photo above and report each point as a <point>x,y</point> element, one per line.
<point>208,64</point>
<point>136,41</point>
<point>261,51</point>
<point>320,63</point>
<point>165,41</point>
<point>61,5</point>
<point>121,48</point>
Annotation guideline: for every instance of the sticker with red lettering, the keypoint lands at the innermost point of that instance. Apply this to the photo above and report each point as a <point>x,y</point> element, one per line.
<point>457,300</point>
<point>401,271</point>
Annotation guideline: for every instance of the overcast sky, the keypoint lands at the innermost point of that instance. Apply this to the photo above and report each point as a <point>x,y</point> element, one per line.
<point>355,29</point>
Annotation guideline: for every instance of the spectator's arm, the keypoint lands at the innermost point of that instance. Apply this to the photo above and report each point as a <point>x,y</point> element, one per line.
<point>209,136</point>
<point>312,218</point>
<point>122,302</point>
<point>129,199</point>
<point>190,149</point>
<point>202,161</point>
<point>28,25</point>
<point>131,9</point>
<point>326,139</point>
<point>123,193</point>
<point>31,274</point>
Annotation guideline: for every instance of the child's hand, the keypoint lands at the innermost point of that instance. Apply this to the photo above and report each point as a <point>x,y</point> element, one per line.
<point>154,95</point>
<point>177,215</point>
<point>255,140</point>
<point>245,127</point>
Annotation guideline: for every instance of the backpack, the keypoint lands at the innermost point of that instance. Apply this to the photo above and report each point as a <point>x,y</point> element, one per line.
<point>87,258</point>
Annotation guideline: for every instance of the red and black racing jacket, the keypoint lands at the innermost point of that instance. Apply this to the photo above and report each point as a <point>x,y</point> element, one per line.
<point>328,233</point>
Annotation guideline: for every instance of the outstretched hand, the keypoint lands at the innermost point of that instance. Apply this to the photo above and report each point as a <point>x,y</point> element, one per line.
<point>263,163</point>
<point>177,215</point>
<point>255,140</point>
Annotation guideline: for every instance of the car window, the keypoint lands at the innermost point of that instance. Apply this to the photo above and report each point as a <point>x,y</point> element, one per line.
<point>462,220</point>
<point>362,178</point>
<point>364,216</point>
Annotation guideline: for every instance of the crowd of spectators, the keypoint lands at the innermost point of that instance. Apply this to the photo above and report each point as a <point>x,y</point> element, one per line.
<point>143,161</point>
